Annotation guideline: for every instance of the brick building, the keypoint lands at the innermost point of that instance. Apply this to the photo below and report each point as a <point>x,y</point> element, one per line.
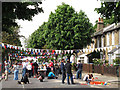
<point>106,41</point>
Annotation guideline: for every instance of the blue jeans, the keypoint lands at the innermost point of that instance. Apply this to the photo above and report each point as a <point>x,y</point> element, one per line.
<point>71,77</point>
<point>16,75</point>
<point>79,73</point>
<point>23,72</point>
<point>63,76</point>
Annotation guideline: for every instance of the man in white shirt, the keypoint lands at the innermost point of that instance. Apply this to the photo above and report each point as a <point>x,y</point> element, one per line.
<point>29,68</point>
<point>24,68</point>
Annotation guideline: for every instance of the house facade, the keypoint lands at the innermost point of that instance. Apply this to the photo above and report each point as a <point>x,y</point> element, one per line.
<point>106,40</point>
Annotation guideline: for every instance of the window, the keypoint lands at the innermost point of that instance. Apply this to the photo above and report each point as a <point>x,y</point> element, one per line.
<point>119,36</point>
<point>98,41</point>
<point>107,39</point>
<point>101,41</point>
<point>113,38</point>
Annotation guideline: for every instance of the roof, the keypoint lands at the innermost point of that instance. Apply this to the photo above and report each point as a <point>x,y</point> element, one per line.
<point>98,33</point>
<point>112,51</point>
<point>107,29</point>
<point>113,27</point>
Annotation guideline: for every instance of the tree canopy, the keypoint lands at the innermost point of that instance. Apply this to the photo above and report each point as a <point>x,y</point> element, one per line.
<point>110,11</point>
<point>65,29</point>
<point>18,10</point>
<point>12,38</point>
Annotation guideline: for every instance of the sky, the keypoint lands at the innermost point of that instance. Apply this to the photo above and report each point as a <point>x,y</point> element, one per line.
<point>88,6</point>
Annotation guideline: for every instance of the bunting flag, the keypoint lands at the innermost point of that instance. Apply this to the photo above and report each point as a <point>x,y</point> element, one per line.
<point>16,47</point>
<point>92,50</point>
<point>56,51</point>
<point>47,51</point>
<point>36,50</point>
<point>83,50</point>
<point>101,49</point>
<point>98,49</point>
<point>104,48</point>
<point>86,50</point>
<point>110,47</point>
<point>2,44</point>
<point>8,45</point>
<point>59,51</point>
<point>65,51</point>
<point>20,52</point>
<point>71,51</point>
<point>68,51</point>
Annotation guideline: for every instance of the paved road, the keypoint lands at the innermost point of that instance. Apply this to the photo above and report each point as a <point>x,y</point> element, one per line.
<point>48,83</point>
<point>34,83</point>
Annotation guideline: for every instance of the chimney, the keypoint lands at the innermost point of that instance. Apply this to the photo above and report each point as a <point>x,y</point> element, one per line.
<point>100,24</point>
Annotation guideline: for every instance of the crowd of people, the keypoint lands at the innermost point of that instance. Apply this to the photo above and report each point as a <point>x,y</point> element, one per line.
<point>52,70</point>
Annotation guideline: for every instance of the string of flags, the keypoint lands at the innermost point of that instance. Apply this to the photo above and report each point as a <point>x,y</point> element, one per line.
<point>20,52</point>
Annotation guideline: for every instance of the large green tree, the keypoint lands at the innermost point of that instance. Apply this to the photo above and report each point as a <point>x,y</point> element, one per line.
<point>18,10</point>
<point>36,39</point>
<point>110,11</point>
<point>65,29</point>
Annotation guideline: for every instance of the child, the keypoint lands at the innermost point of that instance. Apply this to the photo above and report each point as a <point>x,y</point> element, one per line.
<point>24,79</point>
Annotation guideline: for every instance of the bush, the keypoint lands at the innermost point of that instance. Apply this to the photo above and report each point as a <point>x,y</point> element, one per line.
<point>100,62</point>
<point>97,62</point>
<point>116,61</point>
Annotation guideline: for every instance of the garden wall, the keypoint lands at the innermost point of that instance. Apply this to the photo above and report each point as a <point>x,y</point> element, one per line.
<point>104,70</point>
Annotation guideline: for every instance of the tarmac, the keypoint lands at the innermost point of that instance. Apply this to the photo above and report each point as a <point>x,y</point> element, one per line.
<point>112,81</point>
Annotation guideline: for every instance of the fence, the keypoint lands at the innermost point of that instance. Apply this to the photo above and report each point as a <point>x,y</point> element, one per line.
<point>88,68</point>
<point>114,71</point>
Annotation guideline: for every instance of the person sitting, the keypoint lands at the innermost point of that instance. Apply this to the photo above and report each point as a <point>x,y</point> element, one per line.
<point>51,75</point>
<point>24,79</point>
<point>88,78</point>
<point>40,77</point>
<point>48,70</point>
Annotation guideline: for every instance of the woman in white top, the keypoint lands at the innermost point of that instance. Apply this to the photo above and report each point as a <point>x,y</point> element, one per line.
<point>16,67</point>
<point>29,68</point>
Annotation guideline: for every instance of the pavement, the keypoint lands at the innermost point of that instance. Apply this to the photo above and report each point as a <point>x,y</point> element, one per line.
<point>113,82</point>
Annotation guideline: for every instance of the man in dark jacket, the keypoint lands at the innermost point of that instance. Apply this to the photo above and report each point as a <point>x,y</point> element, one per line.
<point>35,68</point>
<point>79,71</point>
<point>63,71</point>
<point>69,72</point>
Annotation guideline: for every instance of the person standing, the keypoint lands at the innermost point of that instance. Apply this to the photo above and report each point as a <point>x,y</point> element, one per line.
<point>35,68</point>
<point>6,71</point>
<point>63,71</point>
<point>29,68</point>
<point>69,72</point>
<point>56,68</point>
<point>24,68</point>
<point>51,64</point>
<point>31,62</point>
<point>79,71</point>
<point>16,67</point>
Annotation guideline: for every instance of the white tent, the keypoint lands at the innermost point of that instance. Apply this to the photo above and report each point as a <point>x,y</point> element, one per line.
<point>29,58</point>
